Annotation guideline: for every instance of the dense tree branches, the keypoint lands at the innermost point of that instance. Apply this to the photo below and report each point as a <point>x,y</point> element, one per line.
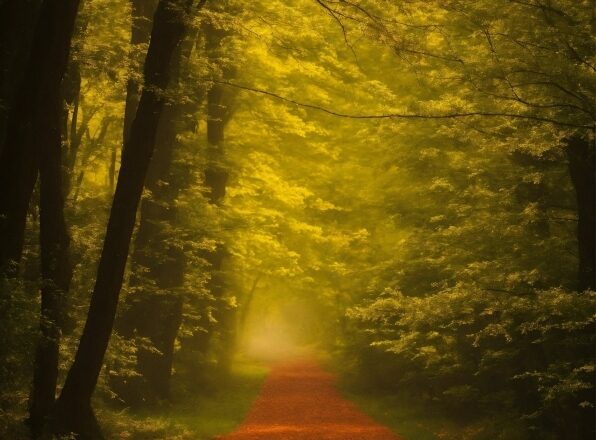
<point>454,115</point>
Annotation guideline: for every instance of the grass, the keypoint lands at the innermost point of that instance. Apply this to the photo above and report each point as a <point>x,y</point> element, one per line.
<point>405,416</point>
<point>412,420</point>
<point>408,420</point>
<point>198,416</point>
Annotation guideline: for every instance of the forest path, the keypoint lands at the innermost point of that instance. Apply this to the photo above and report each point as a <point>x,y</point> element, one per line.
<point>299,401</point>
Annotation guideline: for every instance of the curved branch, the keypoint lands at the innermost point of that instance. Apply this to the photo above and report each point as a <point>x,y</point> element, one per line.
<point>454,115</point>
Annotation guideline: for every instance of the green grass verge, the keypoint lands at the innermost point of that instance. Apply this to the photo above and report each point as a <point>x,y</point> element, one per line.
<point>409,421</point>
<point>192,416</point>
<point>406,417</point>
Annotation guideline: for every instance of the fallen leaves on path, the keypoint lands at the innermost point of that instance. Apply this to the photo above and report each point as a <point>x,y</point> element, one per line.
<point>299,401</point>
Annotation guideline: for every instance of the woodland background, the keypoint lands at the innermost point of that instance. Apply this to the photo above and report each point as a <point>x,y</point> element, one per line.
<point>406,185</point>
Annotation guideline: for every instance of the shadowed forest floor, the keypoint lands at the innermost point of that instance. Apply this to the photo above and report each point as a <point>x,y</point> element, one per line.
<point>299,401</point>
<point>201,413</point>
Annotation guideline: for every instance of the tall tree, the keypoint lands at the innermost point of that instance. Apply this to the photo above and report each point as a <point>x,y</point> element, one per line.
<point>17,25</point>
<point>141,22</point>
<point>34,133</point>
<point>53,36</point>
<point>142,19</point>
<point>582,170</point>
<point>73,412</point>
<point>56,274</point>
<point>154,309</point>
<point>19,160</point>
<point>216,174</point>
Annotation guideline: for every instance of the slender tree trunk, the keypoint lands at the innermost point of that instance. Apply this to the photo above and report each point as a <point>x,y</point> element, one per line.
<point>142,12</point>
<point>92,145</point>
<point>216,178</point>
<point>17,24</point>
<point>19,162</point>
<point>56,274</point>
<point>73,411</point>
<point>154,311</point>
<point>52,44</point>
<point>246,304</point>
<point>71,136</point>
<point>142,19</point>
<point>581,159</point>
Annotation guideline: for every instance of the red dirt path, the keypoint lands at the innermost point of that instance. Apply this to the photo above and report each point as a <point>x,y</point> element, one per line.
<point>299,401</point>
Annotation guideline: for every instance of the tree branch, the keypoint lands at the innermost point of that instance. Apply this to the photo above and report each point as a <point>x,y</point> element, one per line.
<point>454,115</point>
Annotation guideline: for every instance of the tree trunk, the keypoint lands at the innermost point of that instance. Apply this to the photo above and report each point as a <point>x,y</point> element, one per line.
<point>72,412</point>
<point>52,44</point>
<point>17,26</point>
<point>581,159</point>
<point>19,162</point>
<point>142,12</point>
<point>56,274</point>
<point>218,113</point>
<point>216,178</point>
<point>92,145</point>
<point>154,310</point>
<point>140,32</point>
<point>246,304</point>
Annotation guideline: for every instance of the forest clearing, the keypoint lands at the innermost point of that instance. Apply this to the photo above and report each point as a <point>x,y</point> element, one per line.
<point>306,219</point>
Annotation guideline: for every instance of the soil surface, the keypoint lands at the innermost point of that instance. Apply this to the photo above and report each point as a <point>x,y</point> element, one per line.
<point>299,401</point>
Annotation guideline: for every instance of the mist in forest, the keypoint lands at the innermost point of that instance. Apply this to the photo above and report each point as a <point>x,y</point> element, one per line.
<point>316,219</point>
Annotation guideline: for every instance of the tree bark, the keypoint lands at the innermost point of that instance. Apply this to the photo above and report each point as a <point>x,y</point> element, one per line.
<point>142,12</point>
<point>56,274</point>
<point>216,178</point>
<point>218,114</point>
<point>154,311</point>
<point>72,412</point>
<point>142,19</point>
<point>17,28</point>
<point>19,162</point>
<point>581,162</point>
<point>52,43</point>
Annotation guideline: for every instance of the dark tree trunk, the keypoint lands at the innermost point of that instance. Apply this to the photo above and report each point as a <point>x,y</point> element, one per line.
<point>142,19</point>
<point>56,273</point>
<point>142,12</point>
<point>581,159</point>
<point>72,412</point>
<point>52,44</point>
<point>19,162</point>
<point>154,310</point>
<point>218,114</point>
<point>72,138</point>
<point>17,25</point>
